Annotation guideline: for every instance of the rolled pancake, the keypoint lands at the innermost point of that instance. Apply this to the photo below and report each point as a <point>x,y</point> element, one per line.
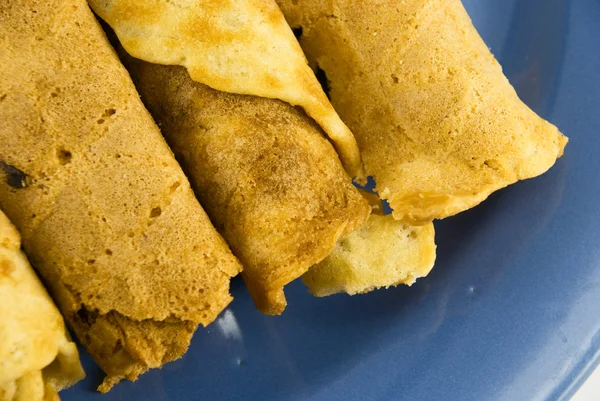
<point>242,46</point>
<point>37,357</point>
<point>383,253</point>
<point>268,178</point>
<point>105,212</point>
<point>438,124</point>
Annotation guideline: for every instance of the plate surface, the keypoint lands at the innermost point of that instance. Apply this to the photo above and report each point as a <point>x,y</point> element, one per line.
<point>512,309</point>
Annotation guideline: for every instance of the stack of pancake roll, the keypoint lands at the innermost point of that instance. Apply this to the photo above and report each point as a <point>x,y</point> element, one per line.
<point>137,230</point>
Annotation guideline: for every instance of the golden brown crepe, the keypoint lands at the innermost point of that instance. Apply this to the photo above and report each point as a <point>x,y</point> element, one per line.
<point>242,46</point>
<point>382,253</point>
<point>106,215</point>
<point>438,125</point>
<point>269,180</point>
<point>37,357</point>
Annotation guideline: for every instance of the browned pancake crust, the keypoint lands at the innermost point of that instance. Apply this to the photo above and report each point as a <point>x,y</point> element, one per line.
<point>267,176</point>
<point>105,212</point>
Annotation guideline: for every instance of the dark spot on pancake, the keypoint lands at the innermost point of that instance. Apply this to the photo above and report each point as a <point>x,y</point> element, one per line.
<point>155,212</point>
<point>64,156</point>
<point>87,317</point>
<point>14,177</point>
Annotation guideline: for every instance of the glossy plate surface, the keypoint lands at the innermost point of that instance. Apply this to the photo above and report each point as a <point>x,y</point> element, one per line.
<point>512,309</point>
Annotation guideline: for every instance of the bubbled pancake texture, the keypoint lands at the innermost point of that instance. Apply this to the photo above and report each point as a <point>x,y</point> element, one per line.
<point>105,212</point>
<point>438,124</point>
<point>270,181</point>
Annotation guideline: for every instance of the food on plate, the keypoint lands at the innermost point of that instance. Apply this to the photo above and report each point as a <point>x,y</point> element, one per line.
<point>37,357</point>
<point>243,47</point>
<point>106,214</point>
<point>268,178</point>
<point>384,252</point>
<point>110,221</point>
<point>438,124</point>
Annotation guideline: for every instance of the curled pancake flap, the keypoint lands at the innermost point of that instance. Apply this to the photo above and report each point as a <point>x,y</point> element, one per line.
<point>242,46</point>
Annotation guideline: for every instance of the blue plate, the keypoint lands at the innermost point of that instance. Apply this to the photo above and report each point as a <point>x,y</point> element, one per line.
<point>512,309</point>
